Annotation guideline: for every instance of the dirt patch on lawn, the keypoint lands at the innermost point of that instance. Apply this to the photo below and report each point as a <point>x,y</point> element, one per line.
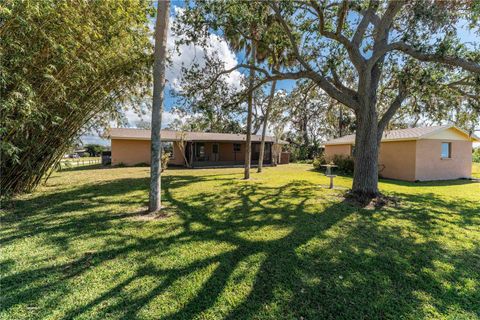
<point>379,202</point>
<point>165,213</point>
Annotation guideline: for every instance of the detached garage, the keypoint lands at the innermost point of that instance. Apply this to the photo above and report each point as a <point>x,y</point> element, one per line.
<point>428,153</point>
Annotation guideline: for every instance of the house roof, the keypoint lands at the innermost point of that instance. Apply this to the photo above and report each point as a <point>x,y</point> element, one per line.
<point>171,135</point>
<point>404,134</point>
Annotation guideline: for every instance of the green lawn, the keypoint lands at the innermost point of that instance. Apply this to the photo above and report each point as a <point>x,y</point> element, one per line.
<point>279,246</point>
<point>476,170</point>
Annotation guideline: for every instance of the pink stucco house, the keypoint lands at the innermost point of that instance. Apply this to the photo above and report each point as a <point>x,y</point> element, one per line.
<point>193,149</point>
<point>418,154</point>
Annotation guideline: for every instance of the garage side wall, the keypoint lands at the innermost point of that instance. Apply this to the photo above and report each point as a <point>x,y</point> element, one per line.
<point>339,149</point>
<point>397,160</point>
<point>133,152</point>
<point>430,165</point>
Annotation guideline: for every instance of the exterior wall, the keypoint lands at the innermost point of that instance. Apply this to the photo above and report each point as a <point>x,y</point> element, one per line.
<point>343,149</point>
<point>430,165</point>
<point>177,158</point>
<point>225,151</point>
<point>285,158</point>
<point>396,160</point>
<point>227,154</point>
<point>132,152</point>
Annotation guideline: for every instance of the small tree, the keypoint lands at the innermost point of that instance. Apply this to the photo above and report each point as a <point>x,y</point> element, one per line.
<point>161,30</point>
<point>182,144</point>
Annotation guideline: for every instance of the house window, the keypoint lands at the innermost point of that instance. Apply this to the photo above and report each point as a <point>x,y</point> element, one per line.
<point>352,150</point>
<point>446,150</point>
<point>236,147</point>
<point>200,150</point>
<point>168,148</point>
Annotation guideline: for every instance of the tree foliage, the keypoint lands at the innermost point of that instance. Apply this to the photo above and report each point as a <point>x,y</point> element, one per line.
<point>65,64</point>
<point>314,116</point>
<point>94,150</point>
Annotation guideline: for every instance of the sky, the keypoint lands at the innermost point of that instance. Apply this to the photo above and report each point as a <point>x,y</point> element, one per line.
<point>190,53</point>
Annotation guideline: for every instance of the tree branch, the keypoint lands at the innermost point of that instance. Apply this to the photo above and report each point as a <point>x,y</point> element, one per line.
<point>353,52</point>
<point>291,38</point>
<point>392,109</point>
<point>368,16</point>
<point>347,97</point>
<point>338,83</point>
<point>238,66</point>
<point>342,13</point>
<point>382,30</point>
<point>433,57</point>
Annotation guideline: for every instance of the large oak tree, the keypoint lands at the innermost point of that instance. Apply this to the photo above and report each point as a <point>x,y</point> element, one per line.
<point>371,56</point>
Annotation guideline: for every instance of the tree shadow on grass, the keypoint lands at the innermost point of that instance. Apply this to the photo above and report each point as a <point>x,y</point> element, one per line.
<point>320,257</point>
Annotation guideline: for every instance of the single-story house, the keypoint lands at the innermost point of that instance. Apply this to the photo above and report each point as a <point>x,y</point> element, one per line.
<point>192,149</point>
<point>417,154</point>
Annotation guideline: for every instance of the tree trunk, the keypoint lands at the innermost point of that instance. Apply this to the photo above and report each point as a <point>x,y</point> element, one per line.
<point>248,143</point>
<point>306,140</point>
<point>161,29</point>
<point>340,121</point>
<point>264,130</point>
<point>365,177</point>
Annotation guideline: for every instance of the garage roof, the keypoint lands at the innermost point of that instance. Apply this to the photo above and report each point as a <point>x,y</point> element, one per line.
<point>404,134</point>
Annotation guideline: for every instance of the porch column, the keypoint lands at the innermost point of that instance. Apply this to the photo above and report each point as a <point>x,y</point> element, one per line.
<point>191,153</point>
<point>271,153</point>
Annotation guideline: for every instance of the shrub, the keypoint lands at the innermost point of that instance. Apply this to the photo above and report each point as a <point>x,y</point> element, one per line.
<point>164,160</point>
<point>476,155</point>
<point>345,163</point>
<point>318,162</point>
<point>85,155</point>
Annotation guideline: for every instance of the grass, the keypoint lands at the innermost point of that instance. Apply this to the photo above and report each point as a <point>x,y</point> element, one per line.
<point>476,169</point>
<point>280,246</point>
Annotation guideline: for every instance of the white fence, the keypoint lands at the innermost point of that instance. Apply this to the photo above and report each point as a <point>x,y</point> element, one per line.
<point>66,164</point>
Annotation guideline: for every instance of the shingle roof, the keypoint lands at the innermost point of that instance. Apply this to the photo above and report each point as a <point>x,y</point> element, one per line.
<point>171,135</point>
<point>401,134</point>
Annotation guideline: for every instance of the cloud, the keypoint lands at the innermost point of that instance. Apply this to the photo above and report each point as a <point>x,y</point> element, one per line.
<point>134,119</point>
<point>186,55</point>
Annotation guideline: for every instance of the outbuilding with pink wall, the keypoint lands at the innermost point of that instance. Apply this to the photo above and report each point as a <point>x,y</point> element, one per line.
<point>417,154</point>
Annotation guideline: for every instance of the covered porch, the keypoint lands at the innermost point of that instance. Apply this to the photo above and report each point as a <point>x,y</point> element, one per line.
<point>224,154</point>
